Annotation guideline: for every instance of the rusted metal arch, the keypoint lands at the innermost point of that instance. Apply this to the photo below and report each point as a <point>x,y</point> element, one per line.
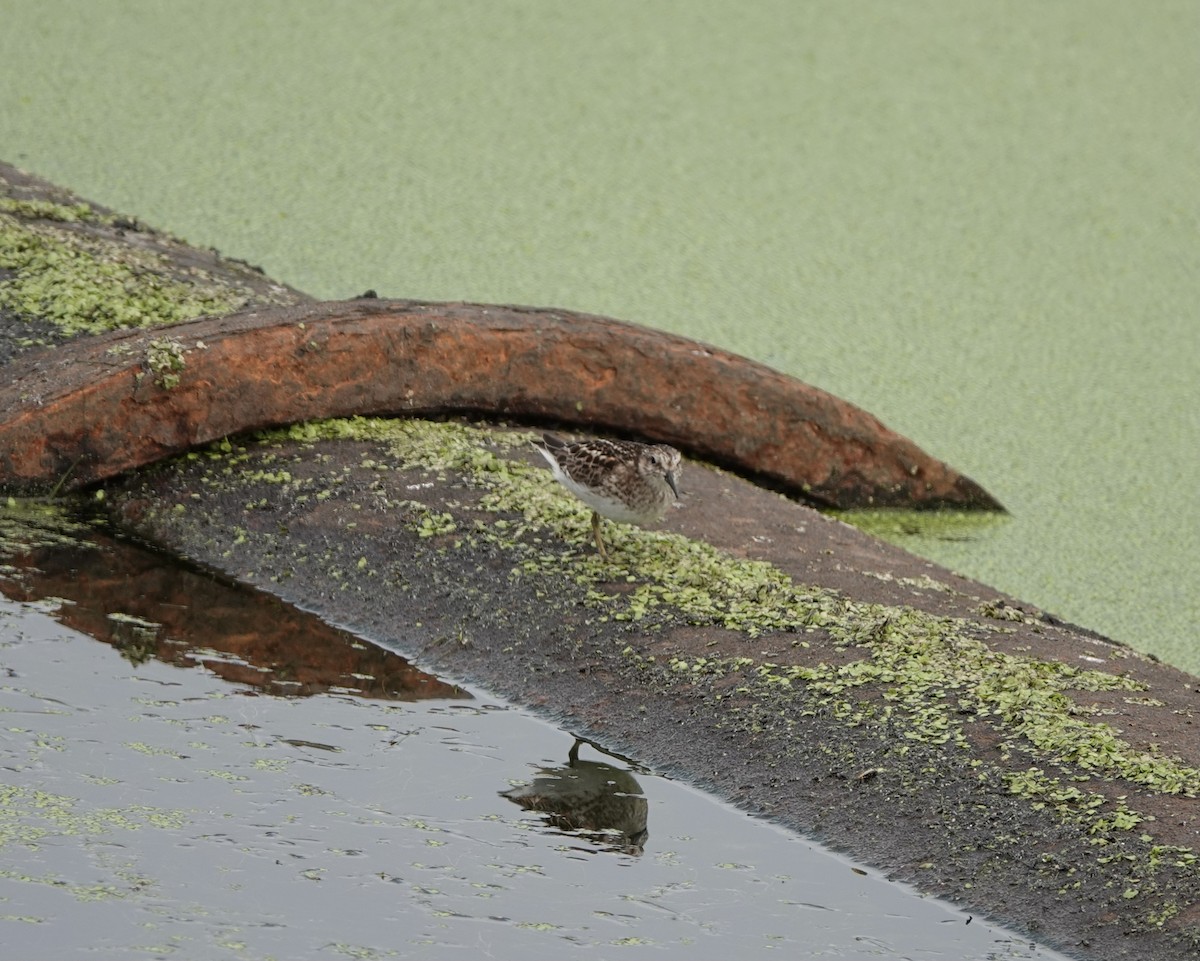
<point>94,408</point>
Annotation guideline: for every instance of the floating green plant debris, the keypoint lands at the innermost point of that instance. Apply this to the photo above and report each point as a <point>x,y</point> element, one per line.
<point>28,815</point>
<point>26,524</point>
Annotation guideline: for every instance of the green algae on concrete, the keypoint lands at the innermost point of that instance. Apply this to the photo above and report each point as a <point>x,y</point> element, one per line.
<point>669,573</point>
<point>88,284</point>
<point>49,210</point>
<point>165,358</point>
<point>69,268</point>
<point>929,670</point>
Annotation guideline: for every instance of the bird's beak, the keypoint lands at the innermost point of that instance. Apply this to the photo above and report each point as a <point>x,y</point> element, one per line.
<point>672,484</point>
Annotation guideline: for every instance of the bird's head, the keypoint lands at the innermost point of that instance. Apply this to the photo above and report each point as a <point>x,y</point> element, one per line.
<point>659,460</point>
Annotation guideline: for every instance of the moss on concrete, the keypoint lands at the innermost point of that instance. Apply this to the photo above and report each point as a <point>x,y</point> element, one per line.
<point>931,677</point>
<point>69,268</point>
<point>49,210</point>
<point>87,284</point>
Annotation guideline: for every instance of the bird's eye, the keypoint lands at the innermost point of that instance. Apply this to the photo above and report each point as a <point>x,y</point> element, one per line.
<point>654,459</point>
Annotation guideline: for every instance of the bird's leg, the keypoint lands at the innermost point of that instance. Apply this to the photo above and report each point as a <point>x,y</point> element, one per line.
<point>596,533</point>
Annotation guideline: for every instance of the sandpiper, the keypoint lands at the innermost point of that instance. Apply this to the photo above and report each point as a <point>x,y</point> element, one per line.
<point>618,479</point>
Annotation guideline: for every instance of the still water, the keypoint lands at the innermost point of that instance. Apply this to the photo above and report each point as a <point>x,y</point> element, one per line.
<point>193,769</point>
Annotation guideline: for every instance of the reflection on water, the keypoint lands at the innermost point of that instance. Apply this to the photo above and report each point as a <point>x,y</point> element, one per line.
<point>152,808</point>
<point>147,605</point>
<point>593,799</point>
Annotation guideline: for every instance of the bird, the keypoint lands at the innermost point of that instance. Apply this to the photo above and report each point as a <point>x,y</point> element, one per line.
<point>618,479</point>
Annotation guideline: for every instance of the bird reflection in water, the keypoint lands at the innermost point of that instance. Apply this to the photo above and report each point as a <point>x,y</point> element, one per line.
<point>591,799</point>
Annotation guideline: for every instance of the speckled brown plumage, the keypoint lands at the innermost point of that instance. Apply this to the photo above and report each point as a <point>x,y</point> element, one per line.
<point>621,480</point>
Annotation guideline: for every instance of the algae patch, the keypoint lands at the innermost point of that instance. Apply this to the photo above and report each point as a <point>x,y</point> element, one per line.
<point>166,360</point>
<point>49,210</point>
<point>27,524</point>
<point>85,285</point>
<point>28,816</point>
<point>929,677</point>
<point>548,531</point>
<point>88,281</point>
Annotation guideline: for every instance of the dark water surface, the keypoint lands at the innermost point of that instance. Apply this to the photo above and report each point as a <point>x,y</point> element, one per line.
<point>193,769</point>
